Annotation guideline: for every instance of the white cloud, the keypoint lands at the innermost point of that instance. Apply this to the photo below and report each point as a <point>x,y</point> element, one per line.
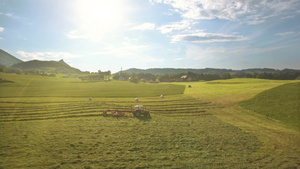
<point>287,17</point>
<point>11,15</point>
<point>211,53</point>
<point>1,30</point>
<point>144,26</point>
<point>244,11</point>
<point>128,51</point>
<point>285,34</point>
<point>183,25</point>
<point>76,35</point>
<point>178,59</point>
<point>207,38</point>
<point>92,35</point>
<point>26,56</point>
<point>197,53</point>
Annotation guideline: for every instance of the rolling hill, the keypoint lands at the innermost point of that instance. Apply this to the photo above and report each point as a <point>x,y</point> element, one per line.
<point>7,59</point>
<point>47,66</point>
<point>162,71</point>
<point>281,103</point>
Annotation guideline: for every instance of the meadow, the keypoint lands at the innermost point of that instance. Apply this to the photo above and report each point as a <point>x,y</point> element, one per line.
<point>281,103</point>
<point>206,126</point>
<point>39,86</point>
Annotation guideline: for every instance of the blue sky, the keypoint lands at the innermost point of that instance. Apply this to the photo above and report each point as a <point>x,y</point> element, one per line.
<point>105,35</point>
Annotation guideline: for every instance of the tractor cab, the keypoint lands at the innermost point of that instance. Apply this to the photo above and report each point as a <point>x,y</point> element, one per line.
<point>138,107</point>
<point>139,110</point>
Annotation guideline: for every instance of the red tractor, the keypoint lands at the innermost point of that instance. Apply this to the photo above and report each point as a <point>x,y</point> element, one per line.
<point>137,111</point>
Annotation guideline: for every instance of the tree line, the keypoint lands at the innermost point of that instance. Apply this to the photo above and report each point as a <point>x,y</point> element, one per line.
<point>96,76</point>
<point>26,71</point>
<point>148,77</point>
<point>190,76</point>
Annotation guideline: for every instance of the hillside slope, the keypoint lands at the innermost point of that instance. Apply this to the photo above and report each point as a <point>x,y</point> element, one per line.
<point>7,59</point>
<point>47,66</point>
<point>162,71</point>
<point>281,103</point>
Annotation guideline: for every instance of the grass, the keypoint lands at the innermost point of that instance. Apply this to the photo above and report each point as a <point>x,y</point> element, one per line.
<point>74,134</point>
<point>203,128</point>
<point>38,86</point>
<point>281,103</point>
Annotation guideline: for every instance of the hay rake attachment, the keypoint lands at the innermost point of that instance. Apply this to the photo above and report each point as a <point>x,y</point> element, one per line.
<point>137,111</point>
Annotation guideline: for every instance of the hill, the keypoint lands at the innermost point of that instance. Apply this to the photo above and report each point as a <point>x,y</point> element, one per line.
<point>162,71</point>
<point>7,59</point>
<point>47,66</point>
<point>281,103</point>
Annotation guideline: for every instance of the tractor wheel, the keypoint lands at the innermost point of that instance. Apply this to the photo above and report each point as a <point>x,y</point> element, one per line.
<point>137,113</point>
<point>147,115</point>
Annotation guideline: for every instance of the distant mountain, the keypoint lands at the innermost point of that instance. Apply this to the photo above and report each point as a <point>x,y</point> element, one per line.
<point>7,59</point>
<point>47,66</point>
<point>290,70</point>
<point>259,70</point>
<point>161,71</point>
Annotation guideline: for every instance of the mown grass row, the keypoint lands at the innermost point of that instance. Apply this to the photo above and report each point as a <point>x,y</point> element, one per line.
<point>98,142</point>
<point>184,131</point>
<point>74,134</point>
<point>20,111</point>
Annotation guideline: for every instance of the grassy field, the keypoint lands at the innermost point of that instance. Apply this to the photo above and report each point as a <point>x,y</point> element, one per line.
<point>203,128</point>
<point>281,103</point>
<point>39,86</point>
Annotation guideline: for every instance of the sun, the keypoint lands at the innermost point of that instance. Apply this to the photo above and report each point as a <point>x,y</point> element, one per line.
<point>100,16</point>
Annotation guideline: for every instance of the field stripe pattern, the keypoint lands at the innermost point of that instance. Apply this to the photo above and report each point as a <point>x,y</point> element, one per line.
<point>25,111</point>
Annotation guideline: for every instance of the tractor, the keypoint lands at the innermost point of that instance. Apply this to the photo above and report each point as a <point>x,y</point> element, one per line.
<point>137,111</point>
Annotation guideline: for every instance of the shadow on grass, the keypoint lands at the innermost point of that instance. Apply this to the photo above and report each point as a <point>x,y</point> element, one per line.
<point>144,118</point>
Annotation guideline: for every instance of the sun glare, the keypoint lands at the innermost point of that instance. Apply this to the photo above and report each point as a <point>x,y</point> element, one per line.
<point>99,17</point>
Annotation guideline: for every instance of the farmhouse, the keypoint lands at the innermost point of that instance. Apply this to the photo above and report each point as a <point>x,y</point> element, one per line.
<point>184,78</point>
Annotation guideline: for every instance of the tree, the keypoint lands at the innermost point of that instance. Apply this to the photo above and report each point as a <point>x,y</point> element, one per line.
<point>12,70</point>
<point>107,73</point>
<point>192,76</point>
<point>225,76</point>
<point>133,78</point>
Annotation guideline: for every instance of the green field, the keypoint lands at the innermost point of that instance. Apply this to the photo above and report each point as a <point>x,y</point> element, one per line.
<point>281,103</point>
<point>39,86</point>
<point>205,126</point>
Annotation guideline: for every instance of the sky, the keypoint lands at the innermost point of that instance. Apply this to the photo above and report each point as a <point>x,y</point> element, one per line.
<point>94,35</point>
